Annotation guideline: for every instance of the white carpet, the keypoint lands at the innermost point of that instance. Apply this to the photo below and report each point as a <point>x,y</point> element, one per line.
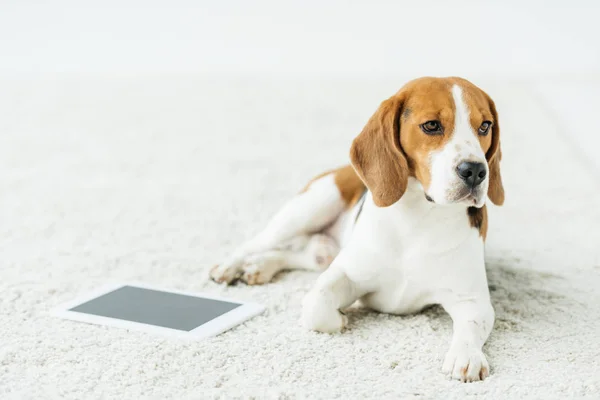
<point>156,179</point>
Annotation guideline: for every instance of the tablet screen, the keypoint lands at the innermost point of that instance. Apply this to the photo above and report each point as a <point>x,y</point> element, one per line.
<point>155,307</point>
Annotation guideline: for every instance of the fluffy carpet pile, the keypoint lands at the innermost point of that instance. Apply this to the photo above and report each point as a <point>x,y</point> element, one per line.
<point>156,179</point>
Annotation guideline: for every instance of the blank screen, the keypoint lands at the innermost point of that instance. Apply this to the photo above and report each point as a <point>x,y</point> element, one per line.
<point>154,307</point>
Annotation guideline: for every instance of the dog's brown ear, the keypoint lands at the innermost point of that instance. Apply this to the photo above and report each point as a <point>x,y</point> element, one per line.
<point>493,156</point>
<point>377,157</point>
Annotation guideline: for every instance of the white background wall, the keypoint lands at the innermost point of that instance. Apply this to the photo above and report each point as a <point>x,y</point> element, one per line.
<point>508,38</point>
<point>551,45</point>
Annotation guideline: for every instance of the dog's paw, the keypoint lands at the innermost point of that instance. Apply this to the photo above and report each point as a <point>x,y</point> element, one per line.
<point>258,269</point>
<point>467,364</point>
<point>318,315</point>
<point>225,273</point>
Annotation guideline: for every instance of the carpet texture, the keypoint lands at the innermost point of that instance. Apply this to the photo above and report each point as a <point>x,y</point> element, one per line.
<point>156,179</point>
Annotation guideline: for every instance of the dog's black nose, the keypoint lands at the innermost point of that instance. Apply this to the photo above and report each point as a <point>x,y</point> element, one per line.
<point>473,173</point>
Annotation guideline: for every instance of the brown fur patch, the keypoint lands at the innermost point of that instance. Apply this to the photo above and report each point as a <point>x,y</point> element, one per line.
<point>377,156</point>
<point>348,182</point>
<point>478,219</point>
<point>350,185</point>
<point>429,99</point>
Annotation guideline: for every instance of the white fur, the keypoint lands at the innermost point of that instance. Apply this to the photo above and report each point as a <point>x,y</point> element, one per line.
<point>407,256</point>
<point>445,186</point>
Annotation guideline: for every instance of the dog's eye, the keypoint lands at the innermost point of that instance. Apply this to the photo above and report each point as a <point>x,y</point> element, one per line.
<point>484,128</point>
<point>432,128</point>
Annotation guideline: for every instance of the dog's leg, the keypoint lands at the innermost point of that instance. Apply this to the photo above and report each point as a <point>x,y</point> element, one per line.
<point>321,307</point>
<point>308,212</point>
<point>309,252</point>
<point>473,319</point>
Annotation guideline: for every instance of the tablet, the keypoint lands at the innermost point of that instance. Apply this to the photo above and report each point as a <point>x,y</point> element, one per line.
<point>167,312</point>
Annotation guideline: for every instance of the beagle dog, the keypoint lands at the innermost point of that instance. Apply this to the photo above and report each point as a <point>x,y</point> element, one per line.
<point>401,228</point>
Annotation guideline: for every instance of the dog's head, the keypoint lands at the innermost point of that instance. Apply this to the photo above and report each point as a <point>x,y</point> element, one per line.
<point>442,131</point>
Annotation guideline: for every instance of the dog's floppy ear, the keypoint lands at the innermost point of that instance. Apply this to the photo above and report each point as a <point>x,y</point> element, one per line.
<point>377,157</point>
<point>493,156</point>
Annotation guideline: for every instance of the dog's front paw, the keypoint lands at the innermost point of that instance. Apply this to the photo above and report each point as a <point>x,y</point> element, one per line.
<point>465,363</point>
<point>318,315</point>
